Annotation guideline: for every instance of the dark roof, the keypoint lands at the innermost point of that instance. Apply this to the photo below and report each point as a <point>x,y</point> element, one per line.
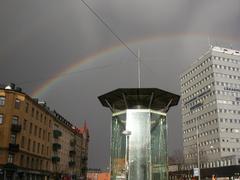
<point>130,98</point>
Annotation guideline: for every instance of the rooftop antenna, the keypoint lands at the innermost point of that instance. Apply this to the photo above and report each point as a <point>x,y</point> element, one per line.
<point>139,68</point>
<point>209,42</point>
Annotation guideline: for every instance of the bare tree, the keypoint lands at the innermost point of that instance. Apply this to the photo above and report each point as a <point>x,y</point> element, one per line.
<point>176,157</point>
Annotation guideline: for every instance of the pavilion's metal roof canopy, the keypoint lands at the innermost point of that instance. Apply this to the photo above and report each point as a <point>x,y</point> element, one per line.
<point>144,98</point>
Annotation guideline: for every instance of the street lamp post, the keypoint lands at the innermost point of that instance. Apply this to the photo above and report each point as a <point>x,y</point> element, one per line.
<point>198,156</point>
<point>196,124</point>
<point>127,134</point>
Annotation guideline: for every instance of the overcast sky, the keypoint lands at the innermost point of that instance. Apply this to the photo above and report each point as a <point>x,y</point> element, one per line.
<point>39,38</point>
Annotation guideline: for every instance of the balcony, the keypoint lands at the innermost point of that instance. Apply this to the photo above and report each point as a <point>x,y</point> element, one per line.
<point>72,153</point>
<point>84,158</point>
<point>56,146</point>
<point>13,147</point>
<point>16,128</point>
<point>55,159</point>
<point>71,163</point>
<point>57,133</point>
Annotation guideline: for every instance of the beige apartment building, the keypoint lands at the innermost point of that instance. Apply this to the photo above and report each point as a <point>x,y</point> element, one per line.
<point>35,142</point>
<point>69,149</point>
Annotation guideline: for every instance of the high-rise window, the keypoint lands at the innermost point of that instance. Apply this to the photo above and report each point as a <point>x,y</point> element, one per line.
<point>17,103</point>
<point>1,119</point>
<point>2,100</point>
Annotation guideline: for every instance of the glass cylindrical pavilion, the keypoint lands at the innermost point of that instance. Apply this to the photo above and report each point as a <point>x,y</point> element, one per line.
<point>139,132</point>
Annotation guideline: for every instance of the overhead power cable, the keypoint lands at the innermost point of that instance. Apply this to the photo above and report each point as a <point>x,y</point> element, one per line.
<point>109,28</point>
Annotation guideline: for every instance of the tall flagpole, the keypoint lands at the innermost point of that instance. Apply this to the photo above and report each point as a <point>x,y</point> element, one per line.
<point>139,69</point>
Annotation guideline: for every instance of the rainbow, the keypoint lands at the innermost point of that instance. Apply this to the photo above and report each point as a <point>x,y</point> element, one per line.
<point>58,77</point>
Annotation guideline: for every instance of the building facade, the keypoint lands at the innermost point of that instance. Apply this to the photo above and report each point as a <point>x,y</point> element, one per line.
<point>210,91</point>
<point>31,136</point>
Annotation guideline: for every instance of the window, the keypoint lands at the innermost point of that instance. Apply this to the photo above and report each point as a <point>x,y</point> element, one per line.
<point>29,144</point>
<point>50,123</point>
<point>24,124</point>
<point>37,114</point>
<point>34,146</point>
<point>21,160</point>
<point>41,164</point>
<point>10,158</point>
<point>27,107</point>
<point>17,103</point>
<point>1,118</point>
<point>35,130</point>
<point>30,128</point>
<point>33,112</point>
<point>38,148</point>
<point>37,161</point>
<point>13,139</point>
<point>15,120</point>
<point>40,132</point>
<point>2,100</point>
<point>49,134</point>
<point>22,141</point>
<point>44,133</point>
<point>42,149</point>
<point>32,163</point>
<point>27,163</point>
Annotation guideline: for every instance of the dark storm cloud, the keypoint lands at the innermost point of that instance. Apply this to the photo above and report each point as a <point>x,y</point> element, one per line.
<point>39,38</point>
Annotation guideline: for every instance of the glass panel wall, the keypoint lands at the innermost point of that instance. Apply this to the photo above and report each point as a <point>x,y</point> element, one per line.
<point>138,122</point>
<point>118,146</point>
<point>158,146</point>
<point>146,146</point>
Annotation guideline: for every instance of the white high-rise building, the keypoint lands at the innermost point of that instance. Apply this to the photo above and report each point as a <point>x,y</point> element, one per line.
<point>210,90</point>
